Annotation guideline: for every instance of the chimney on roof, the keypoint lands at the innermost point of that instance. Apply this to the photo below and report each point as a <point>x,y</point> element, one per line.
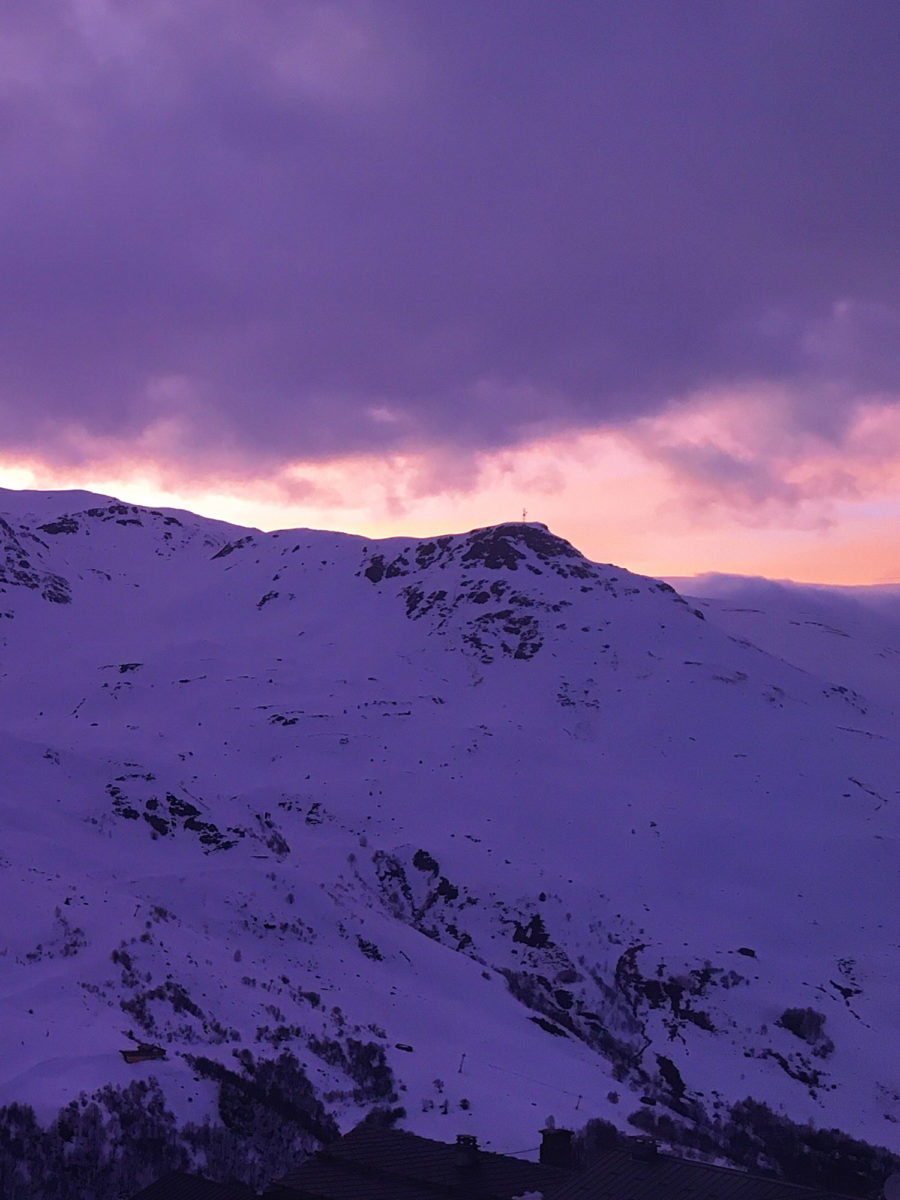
<point>643,1149</point>
<point>466,1152</point>
<point>556,1147</point>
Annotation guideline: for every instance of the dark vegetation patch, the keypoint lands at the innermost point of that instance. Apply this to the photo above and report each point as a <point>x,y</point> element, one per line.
<point>533,934</point>
<point>63,525</point>
<point>230,547</point>
<point>362,1062</point>
<point>679,995</point>
<point>369,949</point>
<point>165,815</point>
<point>66,941</point>
<point>17,569</point>
<point>754,1138</point>
<point>549,1027</point>
<point>117,1140</point>
<point>809,1026</point>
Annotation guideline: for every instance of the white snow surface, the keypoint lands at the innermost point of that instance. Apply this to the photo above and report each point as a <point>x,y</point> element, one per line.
<point>333,787</point>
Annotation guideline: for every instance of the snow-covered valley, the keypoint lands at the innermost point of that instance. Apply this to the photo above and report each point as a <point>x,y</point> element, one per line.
<point>549,836</point>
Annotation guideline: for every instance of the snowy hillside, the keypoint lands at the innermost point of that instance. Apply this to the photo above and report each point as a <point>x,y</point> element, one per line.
<point>554,838</point>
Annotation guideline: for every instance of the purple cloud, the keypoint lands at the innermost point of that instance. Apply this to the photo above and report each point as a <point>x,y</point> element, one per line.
<point>299,231</point>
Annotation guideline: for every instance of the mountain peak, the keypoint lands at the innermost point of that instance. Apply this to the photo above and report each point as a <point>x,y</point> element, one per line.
<point>462,809</point>
<point>506,545</point>
<point>493,547</point>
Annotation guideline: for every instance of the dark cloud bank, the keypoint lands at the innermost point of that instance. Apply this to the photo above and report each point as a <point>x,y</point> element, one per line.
<point>310,229</point>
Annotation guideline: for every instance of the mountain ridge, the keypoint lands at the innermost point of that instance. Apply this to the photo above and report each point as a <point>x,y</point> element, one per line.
<point>526,814</point>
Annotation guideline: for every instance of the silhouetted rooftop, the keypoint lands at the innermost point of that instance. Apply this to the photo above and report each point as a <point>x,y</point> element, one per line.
<point>621,1175</point>
<point>179,1186</point>
<point>374,1163</point>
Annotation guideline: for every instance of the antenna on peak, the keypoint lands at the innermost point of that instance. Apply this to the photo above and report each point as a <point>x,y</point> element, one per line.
<point>524,515</point>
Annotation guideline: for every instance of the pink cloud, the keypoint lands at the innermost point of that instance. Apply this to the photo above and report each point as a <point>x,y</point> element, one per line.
<point>608,493</point>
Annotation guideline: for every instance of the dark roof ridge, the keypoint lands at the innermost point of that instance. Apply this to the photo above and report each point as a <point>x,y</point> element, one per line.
<point>366,1130</point>
<point>810,1193</point>
<point>619,1171</point>
<point>424,1165</point>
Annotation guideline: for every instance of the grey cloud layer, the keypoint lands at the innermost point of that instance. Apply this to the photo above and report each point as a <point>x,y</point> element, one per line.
<point>319,228</point>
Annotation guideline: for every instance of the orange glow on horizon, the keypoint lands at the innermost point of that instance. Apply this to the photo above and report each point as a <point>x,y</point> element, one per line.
<point>610,493</point>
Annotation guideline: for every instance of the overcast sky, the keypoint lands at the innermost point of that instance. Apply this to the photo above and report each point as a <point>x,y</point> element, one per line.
<point>405,264</point>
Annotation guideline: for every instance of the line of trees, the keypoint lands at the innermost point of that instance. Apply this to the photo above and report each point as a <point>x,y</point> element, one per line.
<point>119,1139</point>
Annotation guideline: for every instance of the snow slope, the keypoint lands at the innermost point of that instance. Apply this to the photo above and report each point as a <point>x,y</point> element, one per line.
<point>541,828</point>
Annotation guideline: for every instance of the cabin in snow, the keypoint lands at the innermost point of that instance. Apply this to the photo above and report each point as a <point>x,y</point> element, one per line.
<point>143,1052</point>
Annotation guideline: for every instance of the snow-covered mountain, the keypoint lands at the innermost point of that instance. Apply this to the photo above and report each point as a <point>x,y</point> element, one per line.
<point>548,836</point>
